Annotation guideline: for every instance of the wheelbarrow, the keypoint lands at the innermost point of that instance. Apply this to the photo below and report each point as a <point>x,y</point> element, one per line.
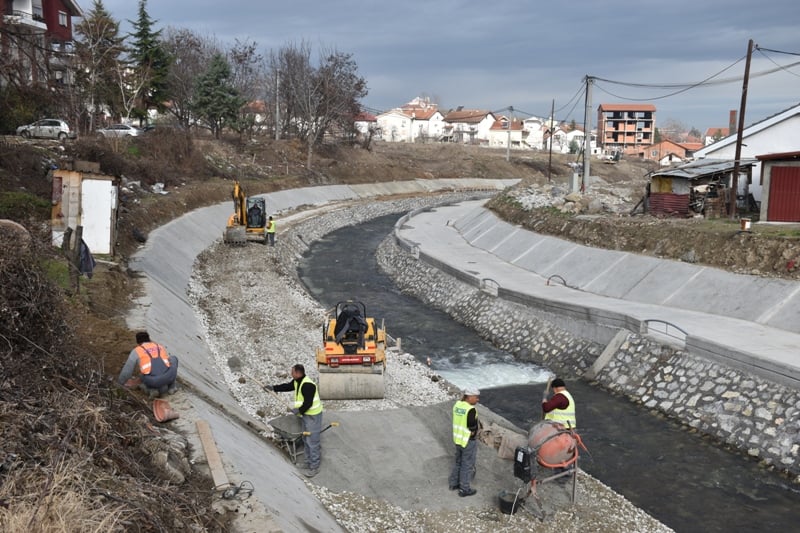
<point>288,434</point>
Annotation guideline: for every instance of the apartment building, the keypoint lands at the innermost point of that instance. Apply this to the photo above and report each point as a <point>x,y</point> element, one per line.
<point>626,128</point>
<point>36,41</point>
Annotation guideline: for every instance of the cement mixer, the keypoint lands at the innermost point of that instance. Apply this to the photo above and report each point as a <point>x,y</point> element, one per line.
<point>550,445</point>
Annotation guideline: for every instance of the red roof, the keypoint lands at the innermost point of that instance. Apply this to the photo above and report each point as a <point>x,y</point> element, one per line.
<point>419,113</point>
<point>783,155</point>
<point>710,132</point>
<point>627,107</point>
<point>516,124</point>
<point>466,115</point>
<point>365,117</point>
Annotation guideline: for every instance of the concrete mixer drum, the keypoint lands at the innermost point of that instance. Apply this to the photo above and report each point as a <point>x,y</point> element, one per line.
<point>554,445</point>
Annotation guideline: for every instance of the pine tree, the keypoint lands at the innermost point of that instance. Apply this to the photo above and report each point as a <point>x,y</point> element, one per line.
<point>216,101</point>
<point>152,61</point>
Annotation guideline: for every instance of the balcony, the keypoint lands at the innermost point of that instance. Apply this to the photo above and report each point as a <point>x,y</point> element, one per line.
<point>25,19</point>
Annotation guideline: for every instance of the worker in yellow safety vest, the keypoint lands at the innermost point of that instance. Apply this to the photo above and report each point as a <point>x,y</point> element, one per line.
<point>271,231</point>
<point>465,429</point>
<point>561,407</point>
<point>308,407</point>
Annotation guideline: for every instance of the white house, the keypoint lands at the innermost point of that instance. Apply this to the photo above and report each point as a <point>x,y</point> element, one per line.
<point>534,128</point>
<point>365,122</point>
<point>505,131</point>
<point>415,121</point>
<point>779,133</point>
<point>394,125</point>
<point>468,126</point>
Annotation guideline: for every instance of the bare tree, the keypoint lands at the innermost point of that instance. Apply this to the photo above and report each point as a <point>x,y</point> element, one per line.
<point>323,98</point>
<point>97,53</point>
<point>192,53</point>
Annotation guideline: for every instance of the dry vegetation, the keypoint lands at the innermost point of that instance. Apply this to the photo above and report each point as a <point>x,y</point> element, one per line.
<point>75,452</point>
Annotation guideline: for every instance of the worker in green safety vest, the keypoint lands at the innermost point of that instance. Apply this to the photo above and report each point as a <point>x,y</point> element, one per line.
<point>465,428</point>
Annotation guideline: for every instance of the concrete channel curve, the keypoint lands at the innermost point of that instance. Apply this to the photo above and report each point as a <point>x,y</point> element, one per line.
<point>165,264</point>
<point>585,288</point>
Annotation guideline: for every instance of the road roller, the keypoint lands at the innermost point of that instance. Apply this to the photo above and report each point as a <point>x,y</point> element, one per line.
<point>352,359</point>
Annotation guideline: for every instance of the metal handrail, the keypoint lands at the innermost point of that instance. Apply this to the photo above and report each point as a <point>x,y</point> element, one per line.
<point>563,281</point>
<point>646,327</point>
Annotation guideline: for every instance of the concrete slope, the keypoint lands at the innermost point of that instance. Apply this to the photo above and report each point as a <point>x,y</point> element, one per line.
<point>165,263</point>
<point>744,321</point>
<point>769,301</point>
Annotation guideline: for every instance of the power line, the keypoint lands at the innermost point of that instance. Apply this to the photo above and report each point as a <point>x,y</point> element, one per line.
<point>777,51</point>
<point>774,63</point>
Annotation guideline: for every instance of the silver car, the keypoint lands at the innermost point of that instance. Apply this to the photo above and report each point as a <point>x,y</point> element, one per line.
<point>119,130</point>
<point>48,128</point>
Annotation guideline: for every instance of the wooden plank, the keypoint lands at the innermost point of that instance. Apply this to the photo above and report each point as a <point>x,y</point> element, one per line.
<point>212,454</point>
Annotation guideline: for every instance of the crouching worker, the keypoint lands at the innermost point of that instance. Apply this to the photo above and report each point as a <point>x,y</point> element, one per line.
<point>158,369</point>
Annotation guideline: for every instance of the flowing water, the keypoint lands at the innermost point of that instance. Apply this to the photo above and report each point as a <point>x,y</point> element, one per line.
<point>680,478</point>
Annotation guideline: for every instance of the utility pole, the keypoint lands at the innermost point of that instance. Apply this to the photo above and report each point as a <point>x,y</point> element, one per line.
<point>587,131</point>
<point>550,158</point>
<point>277,105</point>
<point>508,140</point>
<point>735,185</point>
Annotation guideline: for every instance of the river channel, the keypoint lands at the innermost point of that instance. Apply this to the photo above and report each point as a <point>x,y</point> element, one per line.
<point>682,479</point>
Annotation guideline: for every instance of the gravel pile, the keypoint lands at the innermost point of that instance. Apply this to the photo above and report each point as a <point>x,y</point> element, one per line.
<point>259,321</point>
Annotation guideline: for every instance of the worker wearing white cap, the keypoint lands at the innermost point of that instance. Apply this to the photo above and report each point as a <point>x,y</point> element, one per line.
<point>465,428</point>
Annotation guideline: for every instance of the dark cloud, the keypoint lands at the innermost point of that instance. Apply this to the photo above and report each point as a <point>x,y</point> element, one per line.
<point>494,54</point>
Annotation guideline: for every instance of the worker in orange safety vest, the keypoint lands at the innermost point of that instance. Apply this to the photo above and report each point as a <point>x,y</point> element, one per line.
<point>158,369</point>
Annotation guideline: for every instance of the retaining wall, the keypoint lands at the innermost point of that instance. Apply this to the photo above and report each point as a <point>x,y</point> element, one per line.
<point>750,413</point>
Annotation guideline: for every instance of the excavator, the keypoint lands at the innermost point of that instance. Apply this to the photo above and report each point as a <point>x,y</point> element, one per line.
<point>352,359</point>
<point>248,221</point>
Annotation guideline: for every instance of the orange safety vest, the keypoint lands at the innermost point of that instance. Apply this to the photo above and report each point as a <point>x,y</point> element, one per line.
<point>149,351</point>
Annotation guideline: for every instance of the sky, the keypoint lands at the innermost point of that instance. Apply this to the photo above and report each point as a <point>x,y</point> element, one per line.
<point>527,54</point>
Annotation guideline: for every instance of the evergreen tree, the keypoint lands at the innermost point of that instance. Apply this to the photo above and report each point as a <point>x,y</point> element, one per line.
<point>216,101</point>
<point>150,58</point>
<point>98,50</point>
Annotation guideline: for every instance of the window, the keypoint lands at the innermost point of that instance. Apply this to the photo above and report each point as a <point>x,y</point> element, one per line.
<point>654,153</point>
<point>62,18</point>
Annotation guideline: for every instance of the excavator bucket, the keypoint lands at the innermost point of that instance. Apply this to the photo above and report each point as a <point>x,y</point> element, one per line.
<point>235,235</point>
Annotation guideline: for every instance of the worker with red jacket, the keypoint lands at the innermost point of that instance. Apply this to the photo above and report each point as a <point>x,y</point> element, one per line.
<point>561,407</point>
<point>158,369</point>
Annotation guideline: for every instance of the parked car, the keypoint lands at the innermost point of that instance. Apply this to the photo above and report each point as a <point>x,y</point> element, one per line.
<point>119,130</point>
<point>48,128</point>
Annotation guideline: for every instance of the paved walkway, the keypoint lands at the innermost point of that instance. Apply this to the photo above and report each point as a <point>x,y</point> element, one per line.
<point>742,321</point>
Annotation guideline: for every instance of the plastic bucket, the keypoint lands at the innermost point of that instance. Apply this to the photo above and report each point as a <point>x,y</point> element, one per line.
<point>745,222</point>
<point>509,502</point>
<point>163,412</point>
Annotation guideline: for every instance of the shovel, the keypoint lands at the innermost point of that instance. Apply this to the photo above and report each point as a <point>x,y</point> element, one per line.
<point>545,393</point>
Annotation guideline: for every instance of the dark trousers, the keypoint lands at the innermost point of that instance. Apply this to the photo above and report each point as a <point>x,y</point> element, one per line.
<point>464,465</point>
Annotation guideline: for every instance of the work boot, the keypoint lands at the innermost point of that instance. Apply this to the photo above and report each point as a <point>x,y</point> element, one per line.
<point>454,487</point>
<point>311,472</point>
<point>466,492</point>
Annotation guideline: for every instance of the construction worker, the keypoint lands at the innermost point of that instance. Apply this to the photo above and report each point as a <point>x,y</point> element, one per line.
<point>158,369</point>
<point>308,407</point>
<point>561,407</point>
<point>271,231</point>
<point>465,428</point>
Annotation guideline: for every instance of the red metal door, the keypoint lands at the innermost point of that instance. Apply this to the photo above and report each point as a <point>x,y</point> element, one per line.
<point>784,195</point>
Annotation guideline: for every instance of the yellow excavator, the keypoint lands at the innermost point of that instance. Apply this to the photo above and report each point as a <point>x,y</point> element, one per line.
<point>352,360</point>
<point>248,221</point>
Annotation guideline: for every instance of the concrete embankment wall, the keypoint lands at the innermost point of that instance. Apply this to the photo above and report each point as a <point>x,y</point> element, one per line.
<point>752,414</point>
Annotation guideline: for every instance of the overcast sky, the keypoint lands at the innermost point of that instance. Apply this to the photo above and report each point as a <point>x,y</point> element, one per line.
<point>492,54</point>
